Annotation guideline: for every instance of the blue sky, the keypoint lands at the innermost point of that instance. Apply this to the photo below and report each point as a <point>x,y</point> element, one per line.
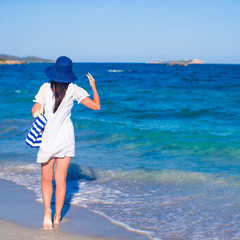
<point>122,31</point>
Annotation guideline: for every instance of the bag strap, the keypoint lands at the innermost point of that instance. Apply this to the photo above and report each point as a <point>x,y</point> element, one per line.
<point>43,99</point>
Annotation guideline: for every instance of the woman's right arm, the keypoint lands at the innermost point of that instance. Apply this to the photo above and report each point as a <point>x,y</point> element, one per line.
<point>36,109</point>
<point>95,103</point>
<point>38,99</point>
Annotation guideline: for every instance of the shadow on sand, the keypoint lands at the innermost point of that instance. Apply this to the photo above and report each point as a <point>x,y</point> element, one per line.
<point>75,173</point>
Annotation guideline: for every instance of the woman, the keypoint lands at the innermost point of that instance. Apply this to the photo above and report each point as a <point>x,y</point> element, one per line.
<point>58,142</point>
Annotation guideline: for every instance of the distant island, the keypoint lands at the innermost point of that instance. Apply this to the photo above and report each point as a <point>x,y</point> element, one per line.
<point>184,62</point>
<point>7,59</point>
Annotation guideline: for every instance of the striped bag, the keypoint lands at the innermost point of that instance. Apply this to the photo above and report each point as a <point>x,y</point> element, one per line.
<point>34,137</point>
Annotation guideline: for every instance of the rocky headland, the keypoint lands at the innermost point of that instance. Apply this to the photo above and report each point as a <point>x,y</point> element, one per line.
<point>9,60</point>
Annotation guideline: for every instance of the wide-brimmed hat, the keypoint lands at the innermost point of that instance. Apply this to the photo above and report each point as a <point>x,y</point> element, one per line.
<point>61,71</point>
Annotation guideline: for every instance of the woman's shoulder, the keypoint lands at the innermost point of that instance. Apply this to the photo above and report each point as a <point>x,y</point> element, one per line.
<point>43,90</point>
<point>45,85</point>
<point>73,87</point>
<point>78,93</point>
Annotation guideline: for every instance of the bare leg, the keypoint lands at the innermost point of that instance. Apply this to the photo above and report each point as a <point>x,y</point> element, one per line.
<point>60,179</point>
<point>47,190</point>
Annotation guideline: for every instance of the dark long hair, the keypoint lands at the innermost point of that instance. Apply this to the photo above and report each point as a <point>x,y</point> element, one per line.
<point>59,90</point>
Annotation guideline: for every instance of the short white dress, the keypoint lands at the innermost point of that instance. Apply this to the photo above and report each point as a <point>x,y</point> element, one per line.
<point>58,136</point>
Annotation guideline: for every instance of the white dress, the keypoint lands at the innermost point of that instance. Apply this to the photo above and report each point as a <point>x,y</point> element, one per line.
<point>58,136</point>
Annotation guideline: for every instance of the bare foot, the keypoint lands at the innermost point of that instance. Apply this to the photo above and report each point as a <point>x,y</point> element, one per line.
<point>47,221</point>
<point>56,219</point>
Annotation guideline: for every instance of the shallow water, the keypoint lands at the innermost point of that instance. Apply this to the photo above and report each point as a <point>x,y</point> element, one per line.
<point>161,156</point>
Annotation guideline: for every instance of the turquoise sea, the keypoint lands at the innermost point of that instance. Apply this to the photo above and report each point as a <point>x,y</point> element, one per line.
<point>161,157</point>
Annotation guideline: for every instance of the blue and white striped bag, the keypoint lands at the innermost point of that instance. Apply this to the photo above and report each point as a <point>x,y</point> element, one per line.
<point>34,137</point>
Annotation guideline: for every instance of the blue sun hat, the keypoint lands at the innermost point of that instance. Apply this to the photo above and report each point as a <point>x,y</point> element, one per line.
<point>61,71</point>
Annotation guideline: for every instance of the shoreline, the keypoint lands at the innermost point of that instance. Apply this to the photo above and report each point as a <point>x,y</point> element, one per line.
<point>19,209</point>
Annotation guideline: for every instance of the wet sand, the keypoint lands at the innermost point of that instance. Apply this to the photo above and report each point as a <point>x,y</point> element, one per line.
<point>21,218</point>
<point>11,231</point>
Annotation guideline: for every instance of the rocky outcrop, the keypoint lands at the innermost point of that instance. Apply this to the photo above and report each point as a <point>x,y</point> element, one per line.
<point>195,61</point>
<point>184,62</point>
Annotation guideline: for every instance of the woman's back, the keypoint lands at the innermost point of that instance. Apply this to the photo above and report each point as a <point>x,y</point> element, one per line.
<point>58,137</point>
<point>73,93</point>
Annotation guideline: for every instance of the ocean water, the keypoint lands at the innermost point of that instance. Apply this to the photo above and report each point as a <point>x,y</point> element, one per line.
<point>161,157</point>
